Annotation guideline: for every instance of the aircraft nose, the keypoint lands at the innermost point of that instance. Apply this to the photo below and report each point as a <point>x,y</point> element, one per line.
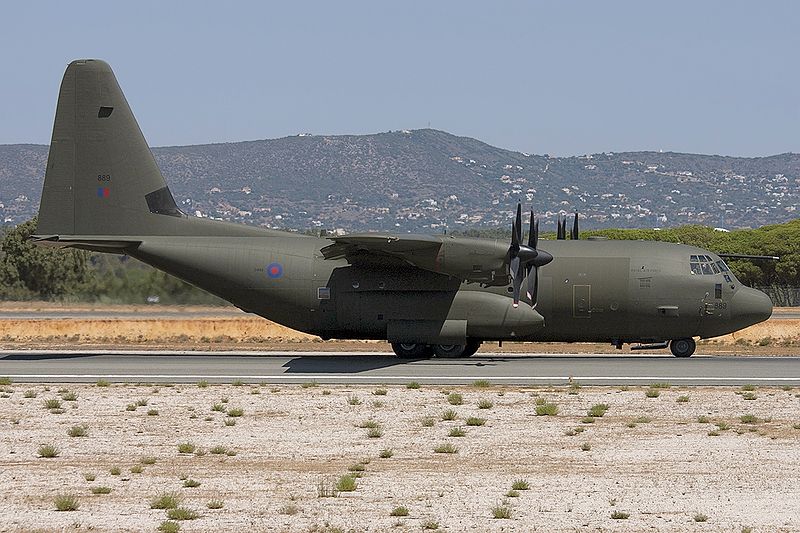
<point>751,306</point>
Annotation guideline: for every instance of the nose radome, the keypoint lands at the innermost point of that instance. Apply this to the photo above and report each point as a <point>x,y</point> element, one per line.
<point>751,306</point>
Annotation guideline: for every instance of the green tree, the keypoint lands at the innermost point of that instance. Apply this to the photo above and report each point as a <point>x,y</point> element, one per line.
<point>30,271</point>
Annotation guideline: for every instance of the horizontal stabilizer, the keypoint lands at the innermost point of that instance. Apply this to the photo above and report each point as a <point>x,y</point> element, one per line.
<point>86,242</point>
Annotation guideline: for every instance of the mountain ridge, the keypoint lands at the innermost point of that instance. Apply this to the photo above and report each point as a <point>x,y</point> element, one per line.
<point>426,180</point>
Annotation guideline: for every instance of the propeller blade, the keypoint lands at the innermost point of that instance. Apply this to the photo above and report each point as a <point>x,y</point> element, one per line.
<point>535,232</point>
<point>519,223</point>
<point>516,278</point>
<point>514,236</point>
<point>531,242</point>
<point>574,233</point>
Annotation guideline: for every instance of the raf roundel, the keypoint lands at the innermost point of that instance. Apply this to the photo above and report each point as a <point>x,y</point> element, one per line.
<point>274,270</point>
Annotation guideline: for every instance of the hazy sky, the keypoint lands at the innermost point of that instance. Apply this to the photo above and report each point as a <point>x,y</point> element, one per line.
<point>559,77</point>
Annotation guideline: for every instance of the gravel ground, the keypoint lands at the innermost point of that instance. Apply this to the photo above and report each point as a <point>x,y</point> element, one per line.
<point>664,471</point>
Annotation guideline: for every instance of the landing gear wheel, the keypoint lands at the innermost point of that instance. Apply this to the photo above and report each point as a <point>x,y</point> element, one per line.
<point>472,347</point>
<point>449,350</point>
<point>405,350</point>
<point>682,347</point>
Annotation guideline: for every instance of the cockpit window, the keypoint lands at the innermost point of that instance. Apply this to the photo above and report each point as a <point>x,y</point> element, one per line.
<point>705,265</point>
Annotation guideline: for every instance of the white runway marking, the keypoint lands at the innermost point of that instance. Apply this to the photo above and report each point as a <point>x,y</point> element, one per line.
<point>146,377</point>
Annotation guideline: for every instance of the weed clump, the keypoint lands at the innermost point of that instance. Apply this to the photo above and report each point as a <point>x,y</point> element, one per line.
<point>485,404</point>
<point>457,432</point>
<point>450,414</point>
<point>598,410</point>
<point>48,451</point>
<point>520,484</point>
<point>546,409</point>
<point>475,421</point>
<point>78,431</point>
<point>66,502</point>
<point>446,448</point>
<point>165,500</point>
<point>186,447</point>
<point>455,398</point>
<point>182,513</point>
<point>168,526</point>
<point>400,510</point>
<point>501,511</point>
<point>346,483</point>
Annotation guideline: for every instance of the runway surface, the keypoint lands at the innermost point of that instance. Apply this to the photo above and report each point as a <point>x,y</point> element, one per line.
<point>375,368</point>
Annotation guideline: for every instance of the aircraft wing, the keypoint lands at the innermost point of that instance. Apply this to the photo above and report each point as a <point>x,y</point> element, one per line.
<point>473,260</point>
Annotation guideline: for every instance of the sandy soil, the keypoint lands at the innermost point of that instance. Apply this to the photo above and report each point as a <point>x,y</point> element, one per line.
<point>663,472</point>
<point>779,336</point>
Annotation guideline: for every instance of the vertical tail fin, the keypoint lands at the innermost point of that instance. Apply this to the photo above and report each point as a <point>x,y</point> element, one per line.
<point>101,177</point>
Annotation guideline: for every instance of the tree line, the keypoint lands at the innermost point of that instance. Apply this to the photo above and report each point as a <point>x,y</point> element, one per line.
<point>29,272</point>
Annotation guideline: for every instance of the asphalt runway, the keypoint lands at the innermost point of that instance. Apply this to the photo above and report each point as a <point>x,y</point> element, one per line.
<point>383,368</point>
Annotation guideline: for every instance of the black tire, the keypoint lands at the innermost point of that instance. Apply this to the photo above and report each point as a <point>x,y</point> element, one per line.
<point>406,350</point>
<point>682,347</point>
<point>449,351</point>
<point>472,347</point>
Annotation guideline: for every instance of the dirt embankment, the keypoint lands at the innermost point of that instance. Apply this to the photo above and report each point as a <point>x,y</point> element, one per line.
<point>225,328</point>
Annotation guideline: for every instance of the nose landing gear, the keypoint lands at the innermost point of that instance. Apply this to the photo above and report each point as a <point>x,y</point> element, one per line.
<point>682,347</point>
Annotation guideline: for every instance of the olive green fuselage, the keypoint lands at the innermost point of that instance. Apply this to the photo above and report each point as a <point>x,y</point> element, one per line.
<point>592,291</point>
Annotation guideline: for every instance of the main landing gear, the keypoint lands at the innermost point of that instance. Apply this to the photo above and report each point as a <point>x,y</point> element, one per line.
<point>424,351</point>
<point>682,347</point>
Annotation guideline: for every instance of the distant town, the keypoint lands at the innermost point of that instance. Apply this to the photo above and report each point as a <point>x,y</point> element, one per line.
<point>430,181</point>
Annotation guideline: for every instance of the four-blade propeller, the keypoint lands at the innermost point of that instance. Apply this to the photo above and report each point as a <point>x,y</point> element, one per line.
<point>525,257</point>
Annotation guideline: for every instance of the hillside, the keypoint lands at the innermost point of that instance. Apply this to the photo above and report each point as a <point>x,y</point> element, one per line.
<point>423,180</point>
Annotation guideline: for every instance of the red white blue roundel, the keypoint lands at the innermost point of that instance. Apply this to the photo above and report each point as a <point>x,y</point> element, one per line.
<point>274,270</point>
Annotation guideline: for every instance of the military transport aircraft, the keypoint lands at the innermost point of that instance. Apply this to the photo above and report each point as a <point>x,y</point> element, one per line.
<point>426,294</point>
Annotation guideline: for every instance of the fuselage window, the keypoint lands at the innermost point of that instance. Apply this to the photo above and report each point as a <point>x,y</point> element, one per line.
<point>718,291</point>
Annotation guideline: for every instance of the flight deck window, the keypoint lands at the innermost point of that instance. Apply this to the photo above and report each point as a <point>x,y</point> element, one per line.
<point>704,265</point>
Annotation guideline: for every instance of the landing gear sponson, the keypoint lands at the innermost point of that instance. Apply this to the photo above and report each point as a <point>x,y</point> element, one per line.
<point>423,351</point>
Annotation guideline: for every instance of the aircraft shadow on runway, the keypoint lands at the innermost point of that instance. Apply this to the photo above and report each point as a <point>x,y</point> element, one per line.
<point>46,356</point>
<point>341,364</point>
